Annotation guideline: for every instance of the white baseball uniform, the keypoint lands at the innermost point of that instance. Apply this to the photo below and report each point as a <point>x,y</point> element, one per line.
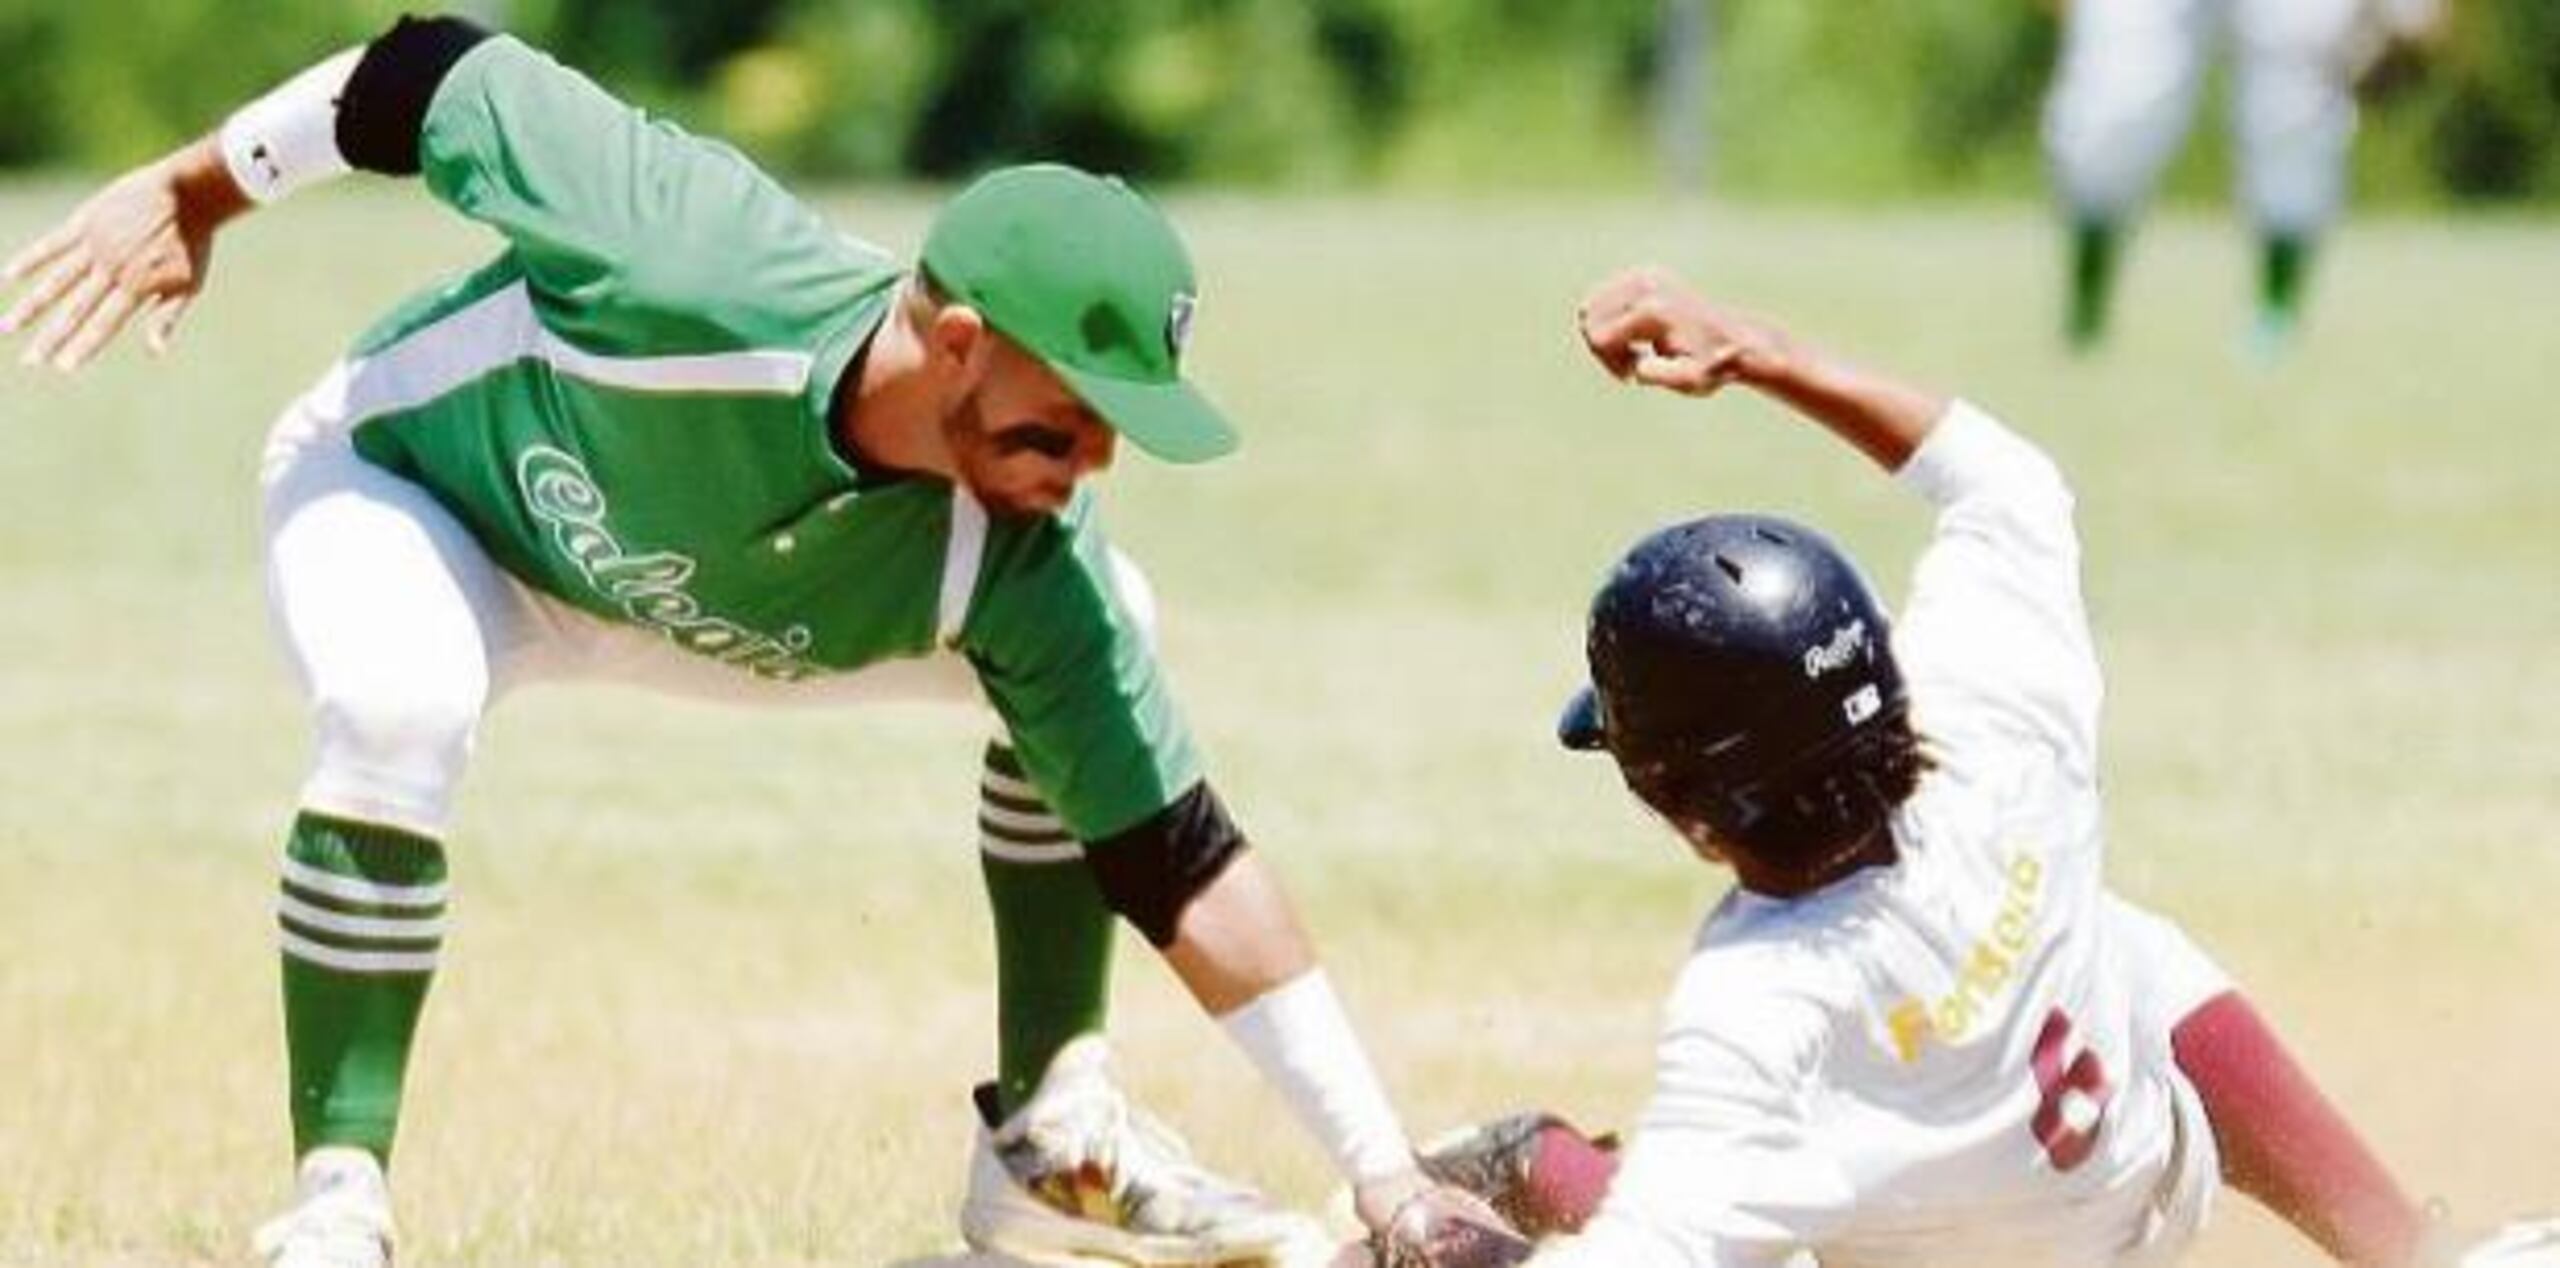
<point>1964,1057</point>
<point>2131,70</point>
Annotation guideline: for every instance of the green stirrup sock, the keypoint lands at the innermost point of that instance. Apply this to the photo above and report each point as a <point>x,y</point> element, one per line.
<point>2284,269</point>
<point>1053,932</point>
<point>362,921</point>
<point>2093,281</point>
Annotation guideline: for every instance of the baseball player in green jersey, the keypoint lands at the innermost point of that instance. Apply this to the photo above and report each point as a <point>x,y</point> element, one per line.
<point>683,433</point>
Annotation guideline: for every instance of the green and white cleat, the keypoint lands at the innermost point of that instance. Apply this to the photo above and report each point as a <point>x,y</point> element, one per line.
<point>1078,1175</point>
<point>341,1216</point>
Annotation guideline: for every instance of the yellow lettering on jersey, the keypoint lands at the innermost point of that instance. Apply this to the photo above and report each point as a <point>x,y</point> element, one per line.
<point>1989,965</point>
<point>1910,1024</point>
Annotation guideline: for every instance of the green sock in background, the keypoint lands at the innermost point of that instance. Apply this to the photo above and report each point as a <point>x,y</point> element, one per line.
<point>2094,255</point>
<point>2284,273</point>
<point>362,922</point>
<point>1054,934</point>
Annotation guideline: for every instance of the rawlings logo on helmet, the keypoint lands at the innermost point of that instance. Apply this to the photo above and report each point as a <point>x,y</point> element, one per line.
<point>1843,649</point>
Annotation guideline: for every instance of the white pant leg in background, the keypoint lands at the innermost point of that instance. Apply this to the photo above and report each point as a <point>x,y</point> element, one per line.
<point>2123,96</point>
<point>2295,116</point>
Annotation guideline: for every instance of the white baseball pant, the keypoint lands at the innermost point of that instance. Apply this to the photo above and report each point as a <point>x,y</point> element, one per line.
<point>2125,94</point>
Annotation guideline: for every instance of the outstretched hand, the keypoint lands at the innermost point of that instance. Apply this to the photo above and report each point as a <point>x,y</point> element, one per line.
<point>1439,1226</point>
<point>1646,326</point>
<point>137,249</point>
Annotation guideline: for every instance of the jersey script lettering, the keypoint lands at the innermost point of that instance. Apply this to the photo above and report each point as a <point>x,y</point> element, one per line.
<point>650,587</point>
<point>1988,966</point>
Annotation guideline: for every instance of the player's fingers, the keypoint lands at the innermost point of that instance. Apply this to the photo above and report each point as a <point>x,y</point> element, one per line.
<point>41,296</point>
<point>146,319</point>
<point>110,317</point>
<point>67,316</point>
<point>33,255</point>
<point>1614,335</point>
<point>1694,376</point>
<point>161,326</point>
<point>1725,365</point>
<point>1619,362</point>
<point>1623,289</point>
<point>1598,317</point>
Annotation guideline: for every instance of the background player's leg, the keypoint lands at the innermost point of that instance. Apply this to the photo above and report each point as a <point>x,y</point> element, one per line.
<point>2097,247</point>
<point>2284,269</point>
<point>2296,121</point>
<point>2123,94</point>
<point>2283,1144</point>
<point>1053,933</point>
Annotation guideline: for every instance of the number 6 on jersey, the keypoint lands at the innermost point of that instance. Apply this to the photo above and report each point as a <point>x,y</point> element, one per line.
<point>2073,1093</point>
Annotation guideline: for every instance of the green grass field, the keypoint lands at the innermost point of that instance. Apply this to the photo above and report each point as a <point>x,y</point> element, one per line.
<point>719,979</point>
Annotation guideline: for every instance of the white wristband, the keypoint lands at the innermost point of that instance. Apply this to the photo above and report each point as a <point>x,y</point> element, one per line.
<point>289,138</point>
<point>1301,1040</point>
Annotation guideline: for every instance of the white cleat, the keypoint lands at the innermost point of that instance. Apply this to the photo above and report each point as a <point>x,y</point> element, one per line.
<point>341,1216</point>
<point>2528,1244</point>
<point>1079,1174</point>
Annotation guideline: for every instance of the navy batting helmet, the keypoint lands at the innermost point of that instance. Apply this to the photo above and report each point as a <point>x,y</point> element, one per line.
<point>1738,662</point>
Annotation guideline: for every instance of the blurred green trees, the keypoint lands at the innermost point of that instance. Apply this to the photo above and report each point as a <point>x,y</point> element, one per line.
<point>1837,97</point>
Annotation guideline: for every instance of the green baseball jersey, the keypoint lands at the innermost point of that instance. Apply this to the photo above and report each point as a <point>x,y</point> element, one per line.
<point>631,410</point>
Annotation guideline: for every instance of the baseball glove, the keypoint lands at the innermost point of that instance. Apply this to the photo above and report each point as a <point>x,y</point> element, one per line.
<point>1446,1227</point>
<point>1541,1173</point>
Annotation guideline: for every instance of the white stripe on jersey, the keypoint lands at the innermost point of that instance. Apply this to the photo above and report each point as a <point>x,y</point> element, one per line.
<point>502,329</point>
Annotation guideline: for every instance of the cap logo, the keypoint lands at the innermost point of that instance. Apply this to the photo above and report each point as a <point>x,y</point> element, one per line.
<point>1177,322</point>
<point>1862,704</point>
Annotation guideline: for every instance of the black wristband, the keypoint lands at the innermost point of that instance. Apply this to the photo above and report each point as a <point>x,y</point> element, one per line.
<point>1150,873</point>
<point>384,108</point>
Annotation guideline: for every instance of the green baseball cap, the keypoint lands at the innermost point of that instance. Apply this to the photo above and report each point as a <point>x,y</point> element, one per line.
<point>1090,278</point>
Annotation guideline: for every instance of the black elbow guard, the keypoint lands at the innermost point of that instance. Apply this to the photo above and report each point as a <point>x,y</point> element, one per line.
<point>1150,873</point>
<point>385,106</point>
